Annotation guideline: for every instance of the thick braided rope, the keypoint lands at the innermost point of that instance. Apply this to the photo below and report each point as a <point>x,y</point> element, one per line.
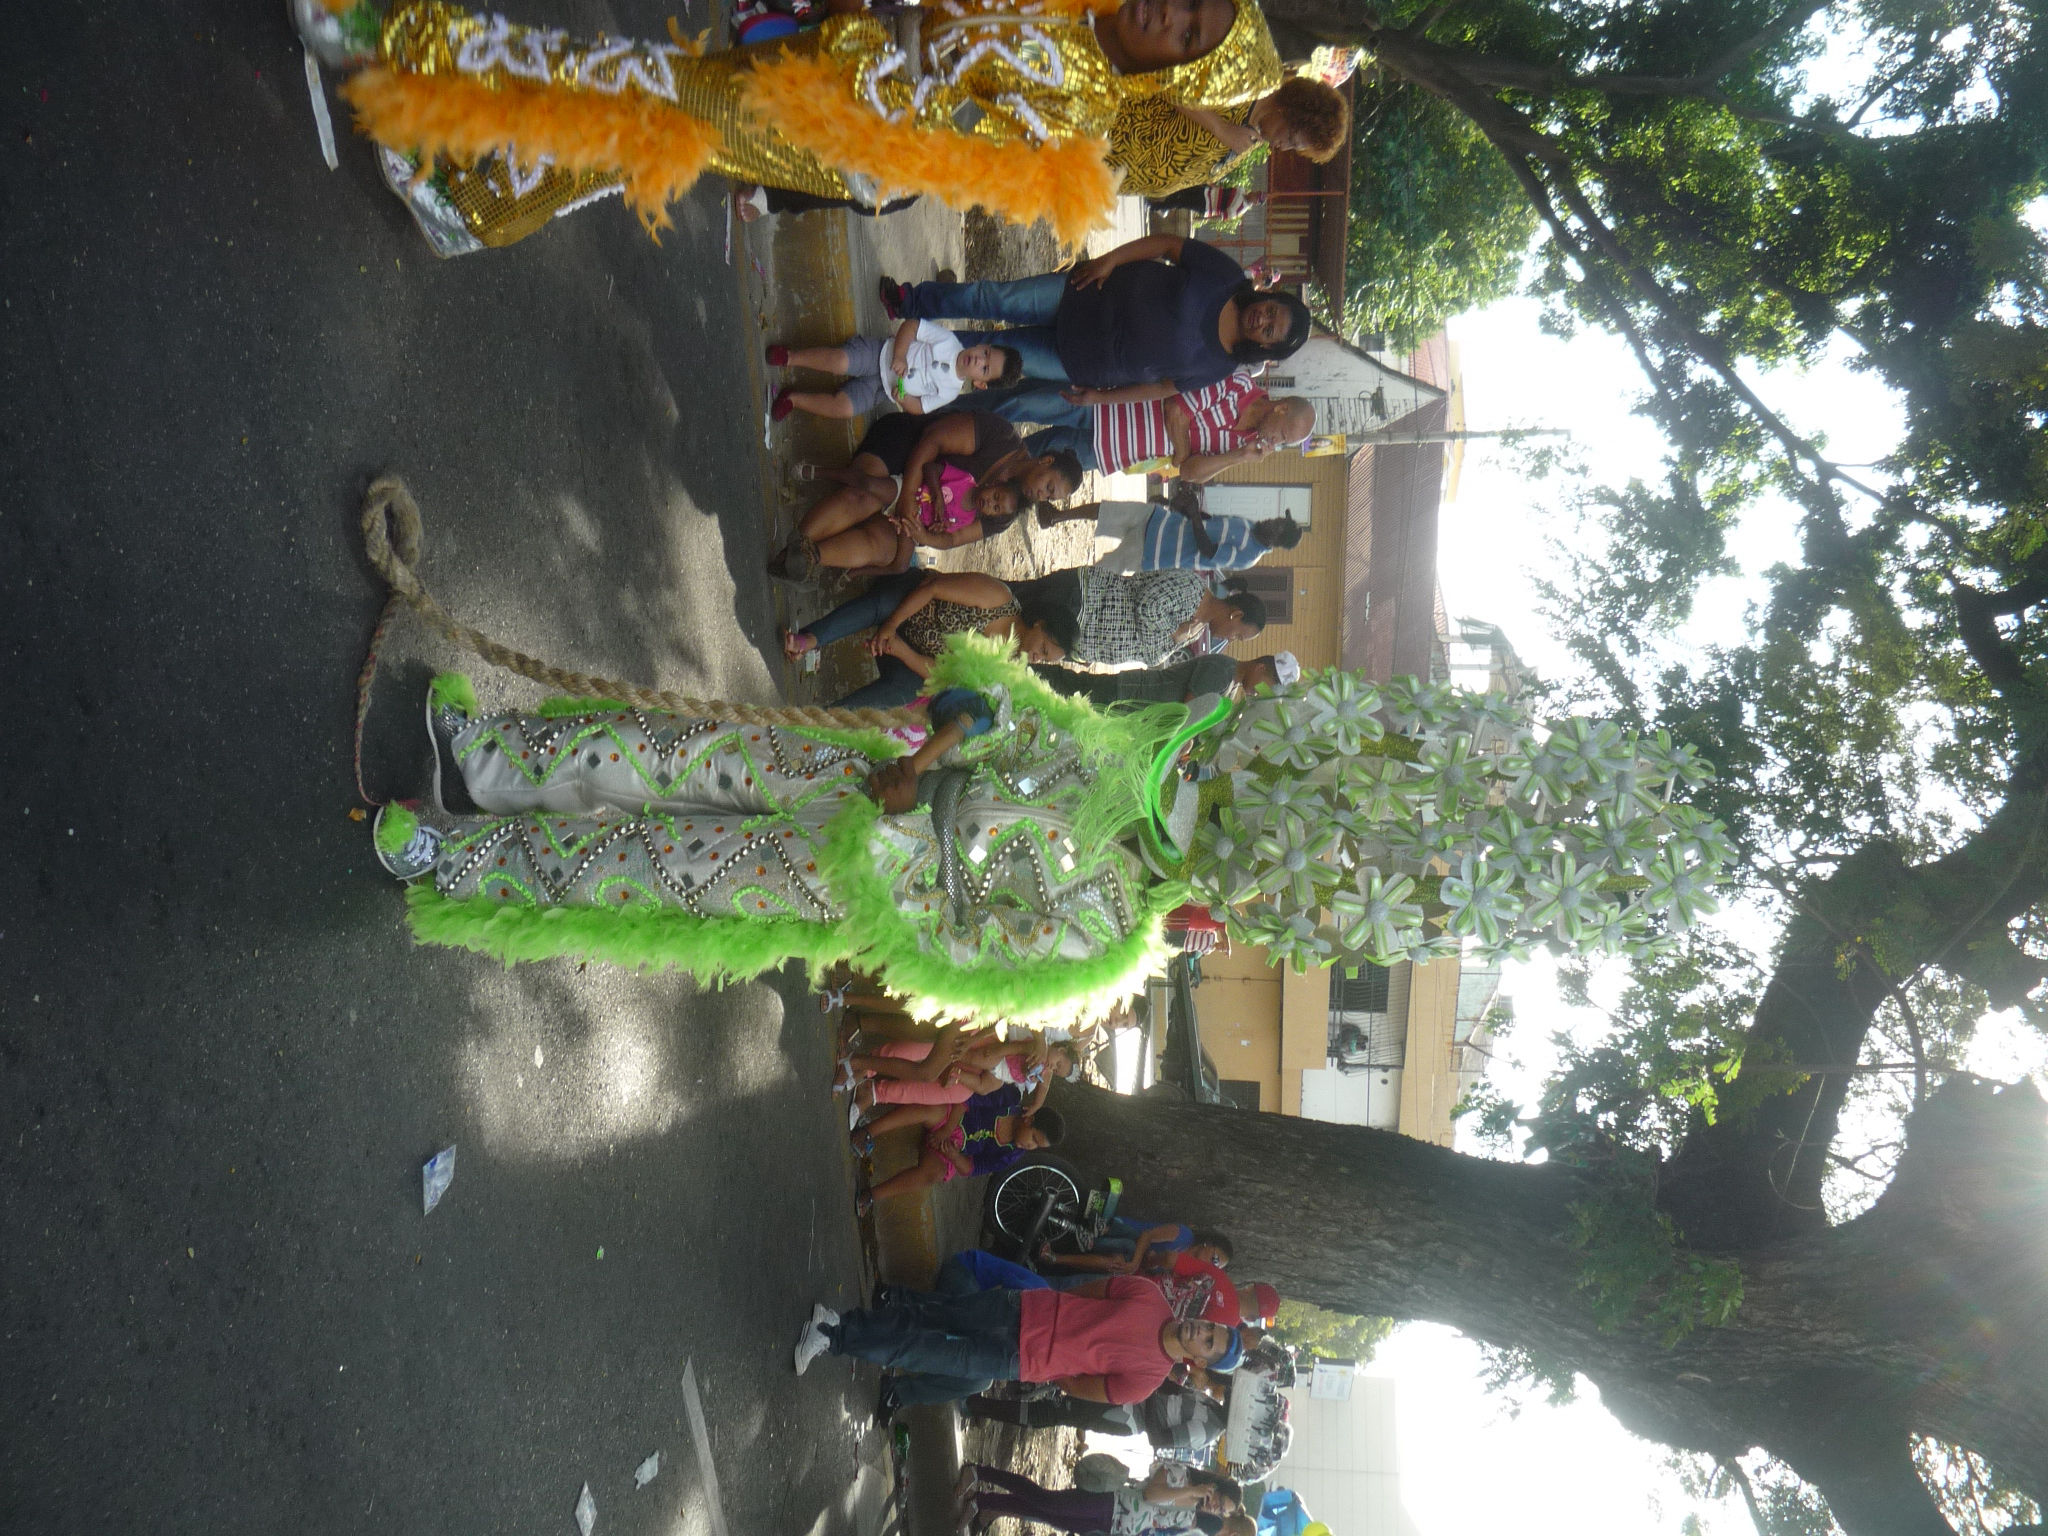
<point>392,539</point>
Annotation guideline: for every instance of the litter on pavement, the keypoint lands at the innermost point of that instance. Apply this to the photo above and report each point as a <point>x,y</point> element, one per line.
<point>436,1174</point>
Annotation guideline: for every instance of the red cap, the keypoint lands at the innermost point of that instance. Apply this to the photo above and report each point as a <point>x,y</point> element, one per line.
<point>1265,1303</point>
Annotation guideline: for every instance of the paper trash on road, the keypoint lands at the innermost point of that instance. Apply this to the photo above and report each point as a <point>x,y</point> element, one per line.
<point>586,1511</point>
<point>323,123</point>
<point>436,1174</point>
<point>647,1471</point>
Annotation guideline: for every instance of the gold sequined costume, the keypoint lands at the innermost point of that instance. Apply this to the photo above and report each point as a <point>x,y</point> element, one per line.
<point>1004,103</point>
<point>1162,150</point>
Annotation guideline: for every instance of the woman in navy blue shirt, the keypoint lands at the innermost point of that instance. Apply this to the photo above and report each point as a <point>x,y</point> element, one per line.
<point>1149,319</point>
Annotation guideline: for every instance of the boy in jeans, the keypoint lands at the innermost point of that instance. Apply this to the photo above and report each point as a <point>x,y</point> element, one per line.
<point>921,369</point>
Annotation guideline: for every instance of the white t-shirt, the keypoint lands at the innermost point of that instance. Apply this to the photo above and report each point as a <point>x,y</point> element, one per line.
<point>927,367</point>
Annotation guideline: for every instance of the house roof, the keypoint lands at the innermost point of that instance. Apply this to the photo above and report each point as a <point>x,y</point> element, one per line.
<point>1391,602</point>
<point>1424,382</point>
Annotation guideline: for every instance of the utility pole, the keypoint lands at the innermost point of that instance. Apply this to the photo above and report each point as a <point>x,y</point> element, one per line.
<point>1394,436</point>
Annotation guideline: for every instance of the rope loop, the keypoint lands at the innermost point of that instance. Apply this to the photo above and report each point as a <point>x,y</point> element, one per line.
<point>393,536</point>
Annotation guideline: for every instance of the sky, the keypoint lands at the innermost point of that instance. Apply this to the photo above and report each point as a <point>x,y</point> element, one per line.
<point>1466,1461</point>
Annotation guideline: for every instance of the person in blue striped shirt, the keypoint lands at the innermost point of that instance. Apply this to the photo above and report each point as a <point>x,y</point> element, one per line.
<point>1179,536</point>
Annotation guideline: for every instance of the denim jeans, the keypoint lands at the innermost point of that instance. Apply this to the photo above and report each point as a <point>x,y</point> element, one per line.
<point>897,684</point>
<point>1027,305</point>
<point>1035,400</point>
<point>1052,439</point>
<point>965,1340</point>
<point>870,610</point>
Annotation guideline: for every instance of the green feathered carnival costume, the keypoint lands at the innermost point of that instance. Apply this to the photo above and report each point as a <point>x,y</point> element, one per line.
<point>1332,821</point>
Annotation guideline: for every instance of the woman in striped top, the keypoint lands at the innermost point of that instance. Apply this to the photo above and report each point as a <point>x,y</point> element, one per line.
<point>1197,434</point>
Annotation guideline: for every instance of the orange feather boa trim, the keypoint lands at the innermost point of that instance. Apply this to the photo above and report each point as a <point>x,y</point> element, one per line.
<point>659,151</point>
<point>1066,184</point>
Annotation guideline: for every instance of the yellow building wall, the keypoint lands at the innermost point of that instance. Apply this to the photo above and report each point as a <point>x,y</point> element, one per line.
<point>1429,1085</point>
<point>1315,633</point>
<point>1261,1022</point>
<point>1304,1031</point>
<point>1238,1006</point>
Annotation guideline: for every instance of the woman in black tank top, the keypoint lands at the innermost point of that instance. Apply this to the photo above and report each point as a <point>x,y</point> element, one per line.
<point>870,525</point>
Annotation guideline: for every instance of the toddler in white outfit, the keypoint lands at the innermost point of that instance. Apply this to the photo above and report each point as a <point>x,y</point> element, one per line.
<point>921,368</point>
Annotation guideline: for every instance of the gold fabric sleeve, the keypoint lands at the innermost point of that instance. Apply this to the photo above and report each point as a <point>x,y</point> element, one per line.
<point>430,37</point>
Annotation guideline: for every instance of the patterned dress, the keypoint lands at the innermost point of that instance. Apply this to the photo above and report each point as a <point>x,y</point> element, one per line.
<point>1162,150</point>
<point>925,631</point>
<point>1127,619</point>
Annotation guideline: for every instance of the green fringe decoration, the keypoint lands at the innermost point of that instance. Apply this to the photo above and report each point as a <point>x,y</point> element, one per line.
<point>454,690</point>
<point>395,827</point>
<point>557,709</point>
<point>1162,769</point>
<point>1044,992</point>
<point>714,950</point>
<point>1120,745</point>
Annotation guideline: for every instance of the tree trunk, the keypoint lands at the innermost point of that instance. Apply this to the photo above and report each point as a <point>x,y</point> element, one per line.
<point>1757,1178</point>
<point>1928,1313</point>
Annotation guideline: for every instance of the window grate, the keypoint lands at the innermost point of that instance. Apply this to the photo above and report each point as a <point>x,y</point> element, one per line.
<point>1275,589</point>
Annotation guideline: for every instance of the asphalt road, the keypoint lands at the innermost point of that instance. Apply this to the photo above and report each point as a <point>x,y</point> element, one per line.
<point>221,1060</point>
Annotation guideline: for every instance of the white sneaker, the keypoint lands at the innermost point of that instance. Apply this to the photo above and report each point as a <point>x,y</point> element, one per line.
<point>823,1316</point>
<point>810,1344</point>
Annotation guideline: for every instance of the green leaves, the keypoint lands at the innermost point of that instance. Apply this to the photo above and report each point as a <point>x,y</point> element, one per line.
<point>1438,226</point>
<point>1333,1335</point>
<point>1632,1266</point>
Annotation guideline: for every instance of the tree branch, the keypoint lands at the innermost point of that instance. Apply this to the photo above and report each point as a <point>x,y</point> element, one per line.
<point>1740,1478</point>
<point>1504,71</point>
<point>1708,349</point>
<point>1999,662</point>
<point>2017,598</point>
<point>1795,17</point>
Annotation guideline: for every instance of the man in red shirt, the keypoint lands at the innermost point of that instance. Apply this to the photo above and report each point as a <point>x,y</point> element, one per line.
<point>1110,1341</point>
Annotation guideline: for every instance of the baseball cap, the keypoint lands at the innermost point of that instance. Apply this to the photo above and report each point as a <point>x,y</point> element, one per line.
<point>1265,1303</point>
<point>1233,1355</point>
